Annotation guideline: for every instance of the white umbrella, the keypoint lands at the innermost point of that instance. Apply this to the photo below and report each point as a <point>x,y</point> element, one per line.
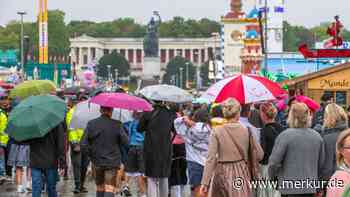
<point>166,93</point>
<point>85,111</point>
<point>244,88</point>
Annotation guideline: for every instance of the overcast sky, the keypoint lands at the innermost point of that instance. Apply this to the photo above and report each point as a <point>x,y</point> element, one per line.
<point>302,12</point>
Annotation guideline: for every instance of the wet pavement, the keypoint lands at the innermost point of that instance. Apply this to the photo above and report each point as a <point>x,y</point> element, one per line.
<point>64,189</point>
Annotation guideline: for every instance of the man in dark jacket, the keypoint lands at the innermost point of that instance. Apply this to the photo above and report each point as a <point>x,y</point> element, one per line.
<point>158,126</point>
<point>102,138</point>
<point>45,155</point>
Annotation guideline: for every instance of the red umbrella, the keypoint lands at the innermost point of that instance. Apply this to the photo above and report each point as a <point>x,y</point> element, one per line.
<point>312,105</point>
<point>122,101</point>
<point>244,88</point>
<point>7,86</point>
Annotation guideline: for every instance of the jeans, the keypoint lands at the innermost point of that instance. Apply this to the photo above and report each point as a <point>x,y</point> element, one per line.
<point>2,162</point>
<point>50,177</point>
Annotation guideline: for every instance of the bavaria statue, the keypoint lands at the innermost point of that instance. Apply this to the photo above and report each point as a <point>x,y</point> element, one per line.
<point>151,40</point>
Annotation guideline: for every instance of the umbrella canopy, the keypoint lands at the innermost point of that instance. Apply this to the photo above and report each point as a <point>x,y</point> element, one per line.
<point>35,116</point>
<point>31,88</point>
<point>122,101</point>
<point>201,100</point>
<point>244,88</point>
<point>77,89</point>
<point>166,93</point>
<point>86,111</point>
<point>7,86</point>
<point>312,105</point>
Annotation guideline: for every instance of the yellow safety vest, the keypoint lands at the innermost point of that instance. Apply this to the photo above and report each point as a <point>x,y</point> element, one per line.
<point>4,138</point>
<point>74,135</point>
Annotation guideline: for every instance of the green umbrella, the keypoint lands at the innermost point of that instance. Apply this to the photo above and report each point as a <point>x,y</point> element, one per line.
<point>35,116</point>
<point>31,88</point>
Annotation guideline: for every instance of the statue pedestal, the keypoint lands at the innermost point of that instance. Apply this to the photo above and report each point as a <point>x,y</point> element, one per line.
<point>151,68</point>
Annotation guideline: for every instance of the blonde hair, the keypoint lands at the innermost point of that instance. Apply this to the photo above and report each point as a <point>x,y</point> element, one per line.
<point>340,144</point>
<point>334,114</point>
<point>231,108</point>
<point>269,110</point>
<point>299,116</point>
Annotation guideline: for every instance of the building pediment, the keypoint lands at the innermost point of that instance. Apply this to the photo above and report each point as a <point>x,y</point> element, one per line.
<point>83,38</point>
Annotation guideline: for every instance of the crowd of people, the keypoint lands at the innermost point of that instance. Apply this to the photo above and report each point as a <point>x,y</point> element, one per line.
<point>206,146</point>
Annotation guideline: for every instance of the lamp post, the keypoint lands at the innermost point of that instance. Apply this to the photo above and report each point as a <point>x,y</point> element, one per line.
<point>116,76</point>
<point>109,72</point>
<point>22,42</point>
<point>197,71</point>
<point>181,78</point>
<point>187,73</point>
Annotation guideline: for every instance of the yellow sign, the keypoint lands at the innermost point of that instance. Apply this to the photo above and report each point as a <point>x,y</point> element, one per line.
<point>337,80</point>
<point>328,83</point>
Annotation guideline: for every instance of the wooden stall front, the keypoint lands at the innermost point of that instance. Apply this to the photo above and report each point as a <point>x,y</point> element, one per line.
<point>334,81</point>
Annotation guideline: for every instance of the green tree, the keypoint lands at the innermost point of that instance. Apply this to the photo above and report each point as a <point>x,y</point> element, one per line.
<point>78,28</point>
<point>117,61</point>
<point>178,27</point>
<point>207,27</point>
<point>58,34</point>
<point>296,35</point>
<point>320,32</point>
<point>173,70</point>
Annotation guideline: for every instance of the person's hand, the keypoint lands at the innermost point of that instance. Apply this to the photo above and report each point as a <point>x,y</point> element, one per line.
<point>203,190</point>
<point>62,163</point>
<point>188,121</point>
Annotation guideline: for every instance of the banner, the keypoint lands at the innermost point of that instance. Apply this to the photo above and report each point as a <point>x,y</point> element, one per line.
<point>43,32</point>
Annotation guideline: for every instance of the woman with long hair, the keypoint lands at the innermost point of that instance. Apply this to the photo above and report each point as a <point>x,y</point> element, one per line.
<point>228,153</point>
<point>335,121</point>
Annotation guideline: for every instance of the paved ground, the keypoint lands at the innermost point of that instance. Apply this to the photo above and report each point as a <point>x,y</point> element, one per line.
<point>64,189</point>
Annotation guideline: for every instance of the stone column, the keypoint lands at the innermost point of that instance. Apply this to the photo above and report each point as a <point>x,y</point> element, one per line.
<point>166,56</point>
<point>89,55</point>
<point>191,55</point>
<point>81,56</point>
<point>206,55</point>
<point>135,56</point>
<point>72,55</point>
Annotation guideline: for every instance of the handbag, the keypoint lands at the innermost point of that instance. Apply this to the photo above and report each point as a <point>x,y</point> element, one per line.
<point>252,160</point>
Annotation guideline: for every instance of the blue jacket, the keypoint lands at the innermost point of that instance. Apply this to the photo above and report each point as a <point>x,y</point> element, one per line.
<point>136,138</point>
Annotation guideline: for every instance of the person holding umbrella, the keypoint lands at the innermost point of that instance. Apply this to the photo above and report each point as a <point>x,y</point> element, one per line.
<point>102,138</point>
<point>158,126</point>
<point>39,122</point>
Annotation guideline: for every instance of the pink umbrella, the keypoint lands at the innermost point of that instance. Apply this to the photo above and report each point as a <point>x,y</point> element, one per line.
<point>313,105</point>
<point>122,101</point>
<point>281,105</point>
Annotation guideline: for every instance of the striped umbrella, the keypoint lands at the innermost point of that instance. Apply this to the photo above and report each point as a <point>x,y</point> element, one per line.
<point>244,88</point>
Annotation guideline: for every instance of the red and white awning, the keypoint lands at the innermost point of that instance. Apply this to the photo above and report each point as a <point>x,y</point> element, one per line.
<point>244,88</point>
